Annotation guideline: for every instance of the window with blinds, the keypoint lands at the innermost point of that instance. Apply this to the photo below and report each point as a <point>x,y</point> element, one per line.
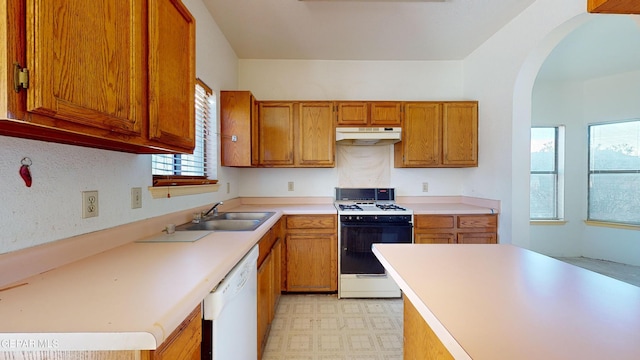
<point>190,169</point>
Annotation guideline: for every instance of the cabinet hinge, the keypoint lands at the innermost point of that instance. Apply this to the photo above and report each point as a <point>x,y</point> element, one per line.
<point>20,77</point>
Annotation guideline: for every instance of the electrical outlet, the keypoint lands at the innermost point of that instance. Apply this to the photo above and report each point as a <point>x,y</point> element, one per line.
<point>136,198</point>
<point>89,204</point>
<point>228,188</point>
<point>425,187</point>
<point>290,186</point>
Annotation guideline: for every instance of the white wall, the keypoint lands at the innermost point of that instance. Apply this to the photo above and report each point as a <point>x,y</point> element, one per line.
<point>576,105</point>
<point>51,208</point>
<point>509,62</point>
<point>501,74</point>
<point>562,103</point>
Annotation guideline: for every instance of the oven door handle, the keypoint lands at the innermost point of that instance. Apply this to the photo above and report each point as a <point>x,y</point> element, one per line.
<point>370,275</point>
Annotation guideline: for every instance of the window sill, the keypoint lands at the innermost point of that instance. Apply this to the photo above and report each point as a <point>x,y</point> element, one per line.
<point>612,225</point>
<point>158,192</point>
<point>547,222</point>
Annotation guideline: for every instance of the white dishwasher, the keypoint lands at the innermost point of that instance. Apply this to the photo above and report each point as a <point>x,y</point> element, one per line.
<point>230,314</point>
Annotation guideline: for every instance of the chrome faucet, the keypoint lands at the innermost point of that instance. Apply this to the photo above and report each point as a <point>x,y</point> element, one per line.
<point>214,208</point>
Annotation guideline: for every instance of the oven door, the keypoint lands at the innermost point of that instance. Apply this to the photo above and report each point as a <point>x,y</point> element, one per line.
<point>356,255</point>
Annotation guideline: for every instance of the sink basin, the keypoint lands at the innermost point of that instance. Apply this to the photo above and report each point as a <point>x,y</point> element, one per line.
<point>230,221</point>
<point>244,215</point>
<point>221,225</point>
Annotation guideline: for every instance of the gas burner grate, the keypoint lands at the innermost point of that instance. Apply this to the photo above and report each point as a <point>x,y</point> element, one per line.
<point>390,207</point>
<point>352,207</point>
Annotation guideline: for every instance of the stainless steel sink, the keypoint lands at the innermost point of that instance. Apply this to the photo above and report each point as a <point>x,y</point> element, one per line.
<point>230,221</point>
<point>244,215</point>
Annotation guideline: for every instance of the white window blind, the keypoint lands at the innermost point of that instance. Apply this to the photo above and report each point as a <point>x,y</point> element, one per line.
<point>189,169</point>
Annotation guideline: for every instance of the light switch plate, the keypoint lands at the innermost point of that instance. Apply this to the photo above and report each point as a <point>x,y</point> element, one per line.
<point>136,198</point>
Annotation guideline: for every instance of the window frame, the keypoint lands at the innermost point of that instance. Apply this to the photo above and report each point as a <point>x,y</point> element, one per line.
<point>557,172</point>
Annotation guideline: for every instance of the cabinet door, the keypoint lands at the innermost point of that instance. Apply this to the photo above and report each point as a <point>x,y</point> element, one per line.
<point>434,238</point>
<point>183,344</point>
<point>87,63</point>
<point>277,277</point>
<point>385,113</point>
<point>421,136</point>
<point>460,134</point>
<point>236,120</point>
<point>276,134</point>
<point>354,113</point>
<point>264,300</point>
<point>311,262</point>
<point>316,137</point>
<point>171,74</point>
<point>477,238</point>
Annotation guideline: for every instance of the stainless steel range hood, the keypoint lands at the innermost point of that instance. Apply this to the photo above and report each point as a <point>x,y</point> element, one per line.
<point>368,135</point>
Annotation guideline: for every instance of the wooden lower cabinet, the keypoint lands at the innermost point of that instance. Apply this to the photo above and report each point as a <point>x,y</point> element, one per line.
<point>264,301</point>
<point>456,229</point>
<point>269,282</point>
<point>420,342</point>
<point>184,343</point>
<point>311,253</point>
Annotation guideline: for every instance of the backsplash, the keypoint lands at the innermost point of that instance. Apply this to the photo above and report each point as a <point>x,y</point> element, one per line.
<point>363,166</point>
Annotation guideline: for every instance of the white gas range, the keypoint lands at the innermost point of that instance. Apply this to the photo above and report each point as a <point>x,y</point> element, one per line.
<point>367,216</point>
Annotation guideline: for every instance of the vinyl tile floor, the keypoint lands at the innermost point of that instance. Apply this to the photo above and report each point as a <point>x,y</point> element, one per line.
<point>623,272</point>
<point>321,327</point>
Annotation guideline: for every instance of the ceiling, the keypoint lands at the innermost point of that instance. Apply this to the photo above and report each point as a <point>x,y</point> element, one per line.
<point>605,45</point>
<point>414,30</point>
<point>360,30</point>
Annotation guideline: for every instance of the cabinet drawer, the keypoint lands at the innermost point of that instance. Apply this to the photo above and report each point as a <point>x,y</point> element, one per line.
<point>435,238</point>
<point>435,221</point>
<point>265,245</point>
<point>477,238</point>
<point>477,221</point>
<point>312,222</point>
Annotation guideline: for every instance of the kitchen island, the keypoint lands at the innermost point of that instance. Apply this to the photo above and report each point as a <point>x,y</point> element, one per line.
<point>504,302</point>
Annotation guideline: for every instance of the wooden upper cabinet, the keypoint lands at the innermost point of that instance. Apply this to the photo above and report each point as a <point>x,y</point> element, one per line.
<point>438,134</point>
<point>171,74</point>
<point>421,144</point>
<point>369,113</point>
<point>460,134</point>
<point>385,113</point>
<point>353,113</point>
<point>87,63</point>
<point>275,133</point>
<point>112,75</point>
<point>316,135</point>
<point>238,118</point>
<point>276,127</point>
<point>613,6</point>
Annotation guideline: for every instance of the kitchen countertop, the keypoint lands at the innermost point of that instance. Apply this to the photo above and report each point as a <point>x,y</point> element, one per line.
<point>128,298</point>
<point>447,208</point>
<point>504,302</point>
<point>131,296</point>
